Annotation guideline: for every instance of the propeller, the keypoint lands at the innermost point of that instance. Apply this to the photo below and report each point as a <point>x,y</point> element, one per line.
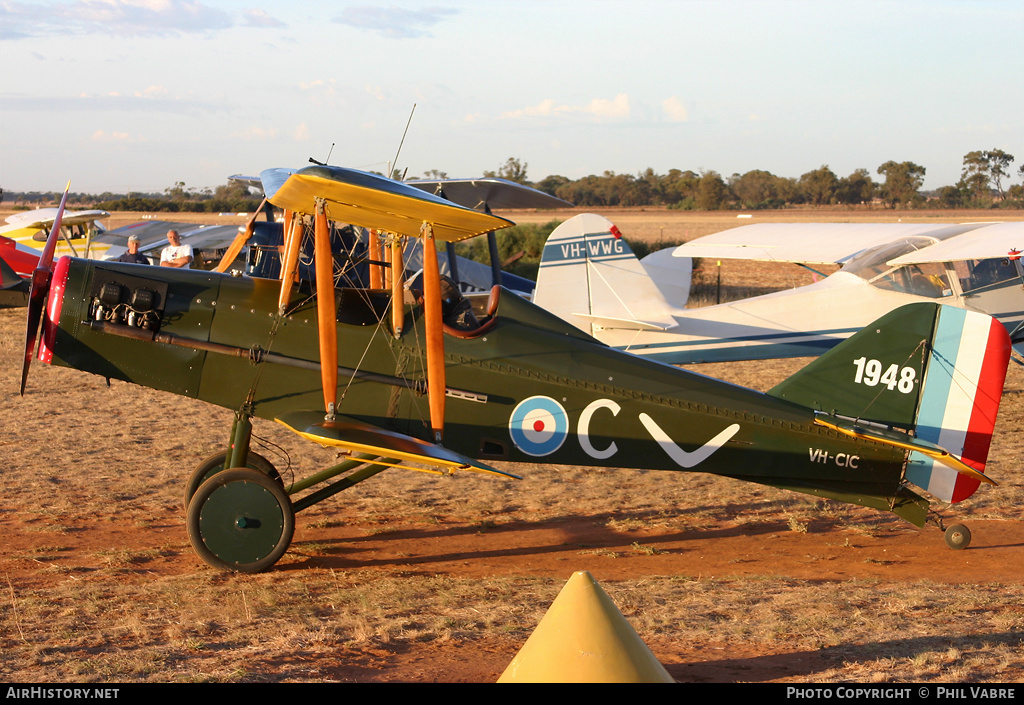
<point>41,277</point>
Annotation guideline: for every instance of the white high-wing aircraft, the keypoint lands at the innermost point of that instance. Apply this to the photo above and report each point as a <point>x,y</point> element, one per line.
<point>590,278</point>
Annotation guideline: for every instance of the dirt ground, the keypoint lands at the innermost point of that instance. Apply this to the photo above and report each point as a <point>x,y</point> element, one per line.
<point>92,507</point>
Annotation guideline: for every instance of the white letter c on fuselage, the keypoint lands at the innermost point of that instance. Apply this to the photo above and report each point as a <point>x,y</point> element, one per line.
<point>583,429</point>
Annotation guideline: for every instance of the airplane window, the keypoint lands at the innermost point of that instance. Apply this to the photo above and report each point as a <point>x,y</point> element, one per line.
<point>986,272</point>
<point>928,280</point>
<point>872,266</point>
<point>872,261</point>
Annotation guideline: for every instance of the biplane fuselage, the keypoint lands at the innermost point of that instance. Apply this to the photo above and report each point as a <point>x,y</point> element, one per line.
<point>529,389</point>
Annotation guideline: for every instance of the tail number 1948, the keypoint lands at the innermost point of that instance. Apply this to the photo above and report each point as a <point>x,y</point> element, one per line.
<point>870,372</point>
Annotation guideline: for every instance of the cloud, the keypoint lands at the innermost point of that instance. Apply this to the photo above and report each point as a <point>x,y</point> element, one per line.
<point>674,110</point>
<point>321,93</point>
<point>254,134</point>
<point>137,18</point>
<point>107,137</point>
<point>153,99</point>
<point>618,107</point>
<point>260,18</point>
<point>301,133</point>
<point>600,108</point>
<point>394,22</point>
<point>545,108</point>
<point>152,92</point>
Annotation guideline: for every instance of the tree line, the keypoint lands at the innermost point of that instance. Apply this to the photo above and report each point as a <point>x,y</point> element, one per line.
<point>983,184</point>
<point>232,197</point>
<point>899,186</point>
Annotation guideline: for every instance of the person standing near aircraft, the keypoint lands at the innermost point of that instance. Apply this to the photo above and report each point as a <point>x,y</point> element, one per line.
<point>133,256</point>
<point>176,254</point>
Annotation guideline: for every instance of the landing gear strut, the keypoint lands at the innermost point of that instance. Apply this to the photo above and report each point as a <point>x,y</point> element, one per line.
<point>242,518</point>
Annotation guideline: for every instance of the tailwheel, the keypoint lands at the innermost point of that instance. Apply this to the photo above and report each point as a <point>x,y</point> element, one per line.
<point>240,520</point>
<point>215,464</point>
<point>958,537</point>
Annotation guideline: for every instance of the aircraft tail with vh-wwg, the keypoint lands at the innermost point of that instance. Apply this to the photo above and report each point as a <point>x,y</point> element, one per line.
<point>925,377</point>
<point>589,277</point>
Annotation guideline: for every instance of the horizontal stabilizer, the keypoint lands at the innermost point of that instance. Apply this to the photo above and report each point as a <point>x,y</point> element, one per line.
<point>358,437</point>
<point>900,440</point>
<point>626,323</point>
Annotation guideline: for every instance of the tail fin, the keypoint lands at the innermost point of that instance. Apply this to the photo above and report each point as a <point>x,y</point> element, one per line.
<point>9,279</point>
<point>589,277</point>
<point>935,371</point>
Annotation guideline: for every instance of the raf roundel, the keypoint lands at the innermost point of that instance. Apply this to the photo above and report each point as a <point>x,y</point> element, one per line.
<point>538,426</point>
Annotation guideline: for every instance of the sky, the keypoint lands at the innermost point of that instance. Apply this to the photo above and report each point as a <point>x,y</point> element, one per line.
<point>138,95</point>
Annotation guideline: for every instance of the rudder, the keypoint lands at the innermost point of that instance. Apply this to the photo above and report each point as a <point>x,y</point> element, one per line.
<point>935,370</point>
<point>960,400</point>
<point>589,276</point>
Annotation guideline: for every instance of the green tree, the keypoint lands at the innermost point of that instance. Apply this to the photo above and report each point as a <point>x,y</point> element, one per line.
<point>232,196</point>
<point>551,184</point>
<point>819,186</point>
<point>951,197</point>
<point>975,175</point>
<point>902,182</point>
<point>587,191</point>
<point>710,192</point>
<point>998,163</point>
<point>178,192</point>
<point>679,188</point>
<point>855,188</point>
<point>757,189</point>
<point>512,170</point>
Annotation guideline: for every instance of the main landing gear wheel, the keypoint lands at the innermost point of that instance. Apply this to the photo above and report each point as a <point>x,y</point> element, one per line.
<point>240,520</point>
<point>215,464</point>
<point>958,537</point>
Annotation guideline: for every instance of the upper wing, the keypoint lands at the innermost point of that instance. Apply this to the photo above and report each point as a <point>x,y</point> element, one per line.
<point>989,241</point>
<point>44,217</point>
<point>490,191</point>
<point>807,243</point>
<point>373,201</point>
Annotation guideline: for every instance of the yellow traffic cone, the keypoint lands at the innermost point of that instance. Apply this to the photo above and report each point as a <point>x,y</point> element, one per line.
<point>584,638</point>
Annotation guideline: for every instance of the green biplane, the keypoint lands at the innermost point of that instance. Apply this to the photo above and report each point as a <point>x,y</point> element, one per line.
<point>909,401</point>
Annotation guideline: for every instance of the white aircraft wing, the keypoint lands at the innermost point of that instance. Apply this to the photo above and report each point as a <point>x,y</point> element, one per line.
<point>44,217</point>
<point>808,243</point>
<point>987,241</point>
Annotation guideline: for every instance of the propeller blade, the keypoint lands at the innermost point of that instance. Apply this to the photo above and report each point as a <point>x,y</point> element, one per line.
<point>41,277</point>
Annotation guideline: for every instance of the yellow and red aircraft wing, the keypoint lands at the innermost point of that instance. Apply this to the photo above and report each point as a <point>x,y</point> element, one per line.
<point>358,437</point>
<point>373,201</point>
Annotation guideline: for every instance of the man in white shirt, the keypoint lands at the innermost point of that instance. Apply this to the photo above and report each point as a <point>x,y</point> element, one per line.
<point>176,254</point>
